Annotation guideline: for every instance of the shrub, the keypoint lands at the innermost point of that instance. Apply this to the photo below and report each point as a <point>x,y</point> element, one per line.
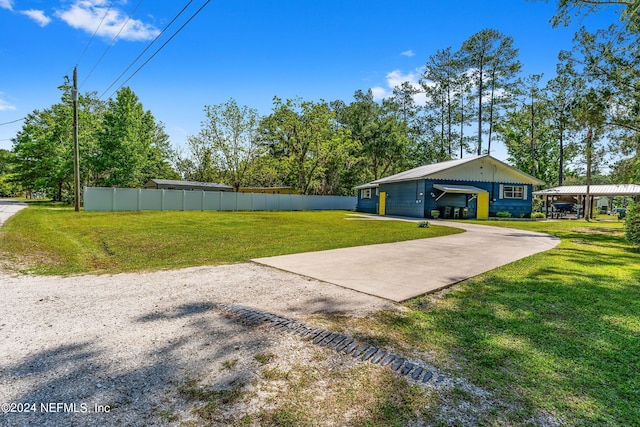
<point>537,204</point>
<point>538,215</point>
<point>632,224</point>
<point>504,214</point>
<point>423,224</point>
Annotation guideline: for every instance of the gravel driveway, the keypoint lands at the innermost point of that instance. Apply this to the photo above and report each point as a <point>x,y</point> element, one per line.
<point>113,349</point>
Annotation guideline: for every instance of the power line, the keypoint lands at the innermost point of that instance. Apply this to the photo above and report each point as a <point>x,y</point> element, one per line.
<point>95,32</point>
<point>13,121</point>
<point>147,48</point>
<point>165,43</point>
<point>112,42</point>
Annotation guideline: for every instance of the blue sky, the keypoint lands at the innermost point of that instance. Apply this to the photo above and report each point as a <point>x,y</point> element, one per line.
<point>251,50</point>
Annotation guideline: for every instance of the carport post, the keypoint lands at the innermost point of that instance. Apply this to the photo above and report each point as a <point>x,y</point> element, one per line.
<point>546,206</point>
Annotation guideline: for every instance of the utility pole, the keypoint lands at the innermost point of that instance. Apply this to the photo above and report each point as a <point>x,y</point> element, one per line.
<point>76,150</point>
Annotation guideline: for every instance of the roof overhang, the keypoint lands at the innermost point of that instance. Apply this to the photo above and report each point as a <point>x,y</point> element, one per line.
<point>364,186</point>
<point>459,189</point>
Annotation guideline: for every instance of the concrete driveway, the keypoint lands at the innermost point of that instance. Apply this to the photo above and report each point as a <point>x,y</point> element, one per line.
<point>9,207</point>
<point>403,270</point>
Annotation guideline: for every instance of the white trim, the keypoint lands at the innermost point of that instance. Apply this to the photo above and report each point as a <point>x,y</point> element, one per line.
<point>513,190</point>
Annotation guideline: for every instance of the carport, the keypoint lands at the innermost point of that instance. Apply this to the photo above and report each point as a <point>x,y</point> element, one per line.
<point>584,195</point>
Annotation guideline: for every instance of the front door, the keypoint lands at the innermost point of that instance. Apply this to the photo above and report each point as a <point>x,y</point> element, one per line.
<point>483,206</point>
<point>382,203</point>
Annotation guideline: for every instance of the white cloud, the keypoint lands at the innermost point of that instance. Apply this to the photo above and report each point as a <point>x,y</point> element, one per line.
<point>5,105</point>
<point>38,16</point>
<point>379,93</point>
<point>408,53</point>
<point>87,15</point>
<point>396,78</point>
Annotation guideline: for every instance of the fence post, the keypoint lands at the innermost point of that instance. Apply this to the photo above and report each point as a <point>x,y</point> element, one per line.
<point>183,196</point>
<point>202,204</point>
<point>113,200</point>
<point>162,200</point>
<point>139,197</point>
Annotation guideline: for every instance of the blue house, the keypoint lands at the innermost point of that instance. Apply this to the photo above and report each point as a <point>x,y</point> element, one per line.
<point>473,187</point>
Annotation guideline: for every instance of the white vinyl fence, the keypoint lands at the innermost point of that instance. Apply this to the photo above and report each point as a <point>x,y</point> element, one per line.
<point>135,199</point>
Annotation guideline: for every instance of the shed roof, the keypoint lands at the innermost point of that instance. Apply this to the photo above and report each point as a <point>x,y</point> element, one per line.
<point>466,169</point>
<point>594,190</point>
<point>180,183</point>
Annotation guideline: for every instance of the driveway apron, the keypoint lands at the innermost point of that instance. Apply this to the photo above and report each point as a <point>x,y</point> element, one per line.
<point>403,270</point>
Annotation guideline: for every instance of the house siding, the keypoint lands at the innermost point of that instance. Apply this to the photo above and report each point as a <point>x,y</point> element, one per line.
<point>368,205</point>
<point>405,198</point>
<point>517,207</point>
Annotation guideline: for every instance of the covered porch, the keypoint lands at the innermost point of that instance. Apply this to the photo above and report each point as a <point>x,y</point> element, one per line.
<point>476,200</point>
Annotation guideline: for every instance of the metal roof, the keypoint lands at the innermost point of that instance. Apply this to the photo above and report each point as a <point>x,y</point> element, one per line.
<point>466,169</point>
<point>594,190</point>
<point>189,183</point>
<point>459,189</point>
<point>423,171</point>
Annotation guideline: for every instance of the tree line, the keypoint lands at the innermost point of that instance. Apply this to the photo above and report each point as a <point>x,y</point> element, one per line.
<point>121,145</point>
<point>467,99</point>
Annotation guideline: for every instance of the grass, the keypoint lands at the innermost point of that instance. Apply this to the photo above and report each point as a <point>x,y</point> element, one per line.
<point>210,401</point>
<point>554,337</point>
<point>364,395</point>
<point>49,239</point>
<point>264,358</point>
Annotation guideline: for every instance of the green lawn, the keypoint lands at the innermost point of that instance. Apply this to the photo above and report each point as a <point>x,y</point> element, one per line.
<point>555,336</point>
<point>47,239</point>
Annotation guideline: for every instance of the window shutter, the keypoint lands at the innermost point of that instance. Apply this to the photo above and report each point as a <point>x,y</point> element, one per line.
<point>501,193</point>
<point>524,192</point>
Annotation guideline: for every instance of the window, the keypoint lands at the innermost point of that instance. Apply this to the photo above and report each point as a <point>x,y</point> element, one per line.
<point>513,192</point>
<point>366,193</point>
